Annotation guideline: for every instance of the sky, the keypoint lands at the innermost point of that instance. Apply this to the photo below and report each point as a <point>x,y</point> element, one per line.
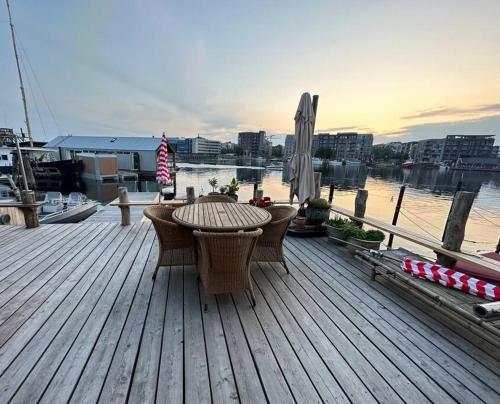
<point>401,69</point>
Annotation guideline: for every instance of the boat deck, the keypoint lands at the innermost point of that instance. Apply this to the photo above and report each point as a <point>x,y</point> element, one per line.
<point>82,321</point>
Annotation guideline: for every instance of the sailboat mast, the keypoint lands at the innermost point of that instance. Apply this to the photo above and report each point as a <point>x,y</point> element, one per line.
<point>27,121</point>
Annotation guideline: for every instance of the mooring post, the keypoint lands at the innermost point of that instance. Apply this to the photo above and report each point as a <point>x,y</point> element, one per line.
<point>125,210</point>
<point>457,188</point>
<point>30,213</point>
<point>497,250</point>
<point>360,204</point>
<point>317,185</point>
<point>396,213</point>
<point>255,187</point>
<point>454,232</point>
<point>190,195</point>
<point>330,195</point>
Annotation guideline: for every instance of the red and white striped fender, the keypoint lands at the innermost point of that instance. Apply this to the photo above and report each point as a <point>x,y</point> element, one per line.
<point>450,278</point>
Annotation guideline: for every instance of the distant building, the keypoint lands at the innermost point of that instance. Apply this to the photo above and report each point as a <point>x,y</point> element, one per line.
<point>323,141</point>
<point>461,146</point>
<point>200,145</point>
<point>345,145</point>
<point>409,149</point>
<point>132,153</point>
<point>228,147</point>
<point>429,151</point>
<point>396,147</point>
<point>289,149</point>
<point>252,143</point>
<point>181,145</point>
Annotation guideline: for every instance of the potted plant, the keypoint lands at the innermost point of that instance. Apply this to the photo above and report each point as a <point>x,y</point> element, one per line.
<point>370,239</point>
<point>213,183</point>
<point>232,188</point>
<point>223,189</point>
<point>317,211</point>
<point>334,229</point>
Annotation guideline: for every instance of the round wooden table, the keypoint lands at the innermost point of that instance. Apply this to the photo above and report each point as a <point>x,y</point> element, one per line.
<point>221,216</point>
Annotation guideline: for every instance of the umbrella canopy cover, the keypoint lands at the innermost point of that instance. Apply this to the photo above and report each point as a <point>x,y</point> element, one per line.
<point>301,168</point>
<point>162,171</point>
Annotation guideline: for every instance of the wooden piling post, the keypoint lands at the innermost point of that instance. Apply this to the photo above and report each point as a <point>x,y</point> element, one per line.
<point>190,195</point>
<point>396,213</point>
<point>255,187</point>
<point>30,213</point>
<point>497,250</point>
<point>454,232</point>
<point>360,204</point>
<point>125,210</point>
<point>330,195</point>
<point>317,185</point>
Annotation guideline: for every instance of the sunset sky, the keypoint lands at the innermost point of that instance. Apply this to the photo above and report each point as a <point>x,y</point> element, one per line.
<point>401,69</point>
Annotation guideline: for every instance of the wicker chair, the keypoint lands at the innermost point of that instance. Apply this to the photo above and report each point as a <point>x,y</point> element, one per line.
<point>270,244</point>
<point>224,261</point>
<point>214,198</point>
<point>176,243</point>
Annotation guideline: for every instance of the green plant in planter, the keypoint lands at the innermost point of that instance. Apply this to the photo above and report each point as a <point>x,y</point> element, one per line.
<point>351,230</point>
<point>375,235</point>
<point>233,186</point>
<point>337,221</point>
<point>213,183</point>
<point>318,203</point>
<point>223,189</point>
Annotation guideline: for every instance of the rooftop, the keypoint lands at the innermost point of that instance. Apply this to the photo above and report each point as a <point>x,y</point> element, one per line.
<point>81,319</point>
<point>106,142</point>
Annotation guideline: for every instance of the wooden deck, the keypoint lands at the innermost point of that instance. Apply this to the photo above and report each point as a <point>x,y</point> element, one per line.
<point>82,321</point>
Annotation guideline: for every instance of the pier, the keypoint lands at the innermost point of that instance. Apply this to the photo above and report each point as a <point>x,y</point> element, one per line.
<point>81,320</point>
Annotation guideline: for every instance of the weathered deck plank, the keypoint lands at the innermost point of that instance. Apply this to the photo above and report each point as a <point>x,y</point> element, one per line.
<point>85,322</point>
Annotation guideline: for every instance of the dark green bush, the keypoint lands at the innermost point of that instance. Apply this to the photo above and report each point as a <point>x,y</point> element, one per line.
<point>352,230</point>
<point>319,203</point>
<point>375,235</point>
<point>337,221</point>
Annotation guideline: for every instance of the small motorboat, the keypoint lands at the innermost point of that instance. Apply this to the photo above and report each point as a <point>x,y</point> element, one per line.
<point>52,203</point>
<point>408,164</point>
<point>72,210</point>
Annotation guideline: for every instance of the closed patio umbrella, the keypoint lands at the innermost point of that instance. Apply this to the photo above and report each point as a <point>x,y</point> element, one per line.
<point>301,168</point>
<point>162,171</point>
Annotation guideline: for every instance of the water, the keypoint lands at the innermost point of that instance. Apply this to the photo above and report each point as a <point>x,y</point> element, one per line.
<point>425,205</point>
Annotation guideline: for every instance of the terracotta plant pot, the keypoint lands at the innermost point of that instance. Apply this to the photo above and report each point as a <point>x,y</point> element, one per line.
<point>300,223</point>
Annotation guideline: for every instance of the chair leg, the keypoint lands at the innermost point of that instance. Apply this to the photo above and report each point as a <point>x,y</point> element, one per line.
<point>285,265</point>
<point>156,271</point>
<point>158,265</point>
<point>252,296</point>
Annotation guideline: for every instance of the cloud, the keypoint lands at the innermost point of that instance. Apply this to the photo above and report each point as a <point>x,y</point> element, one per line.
<point>489,125</point>
<point>448,111</point>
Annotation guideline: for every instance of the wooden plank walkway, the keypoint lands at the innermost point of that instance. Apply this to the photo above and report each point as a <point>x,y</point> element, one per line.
<point>82,321</point>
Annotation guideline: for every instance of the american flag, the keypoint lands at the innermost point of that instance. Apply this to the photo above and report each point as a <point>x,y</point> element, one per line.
<point>162,171</point>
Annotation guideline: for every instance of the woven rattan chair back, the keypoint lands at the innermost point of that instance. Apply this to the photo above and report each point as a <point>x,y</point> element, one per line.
<point>214,198</point>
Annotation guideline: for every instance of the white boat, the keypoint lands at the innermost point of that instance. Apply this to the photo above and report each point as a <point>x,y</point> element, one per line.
<point>334,163</point>
<point>352,162</point>
<point>52,203</point>
<point>75,209</point>
<point>317,162</point>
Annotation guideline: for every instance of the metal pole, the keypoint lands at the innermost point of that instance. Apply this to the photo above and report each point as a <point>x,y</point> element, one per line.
<point>21,163</point>
<point>396,213</point>
<point>27,121</point>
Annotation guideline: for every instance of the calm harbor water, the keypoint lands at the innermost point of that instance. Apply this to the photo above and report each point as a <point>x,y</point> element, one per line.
<point>425,205</point>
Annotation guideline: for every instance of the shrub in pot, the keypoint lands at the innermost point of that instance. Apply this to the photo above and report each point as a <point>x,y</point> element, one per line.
<point>334,229</point>
<point>370,239</point>
<point>317,211</point>
<point>232,188</point>
<point>213,183</point>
